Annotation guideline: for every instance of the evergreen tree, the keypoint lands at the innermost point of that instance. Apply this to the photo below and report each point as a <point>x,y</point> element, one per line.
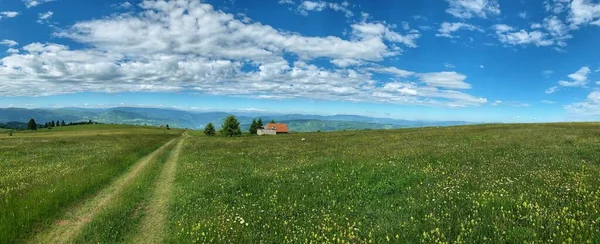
<point>46,125</point>
<point>259,123</point>
<point>253,127</point>
<point>272,121</point>
<point>31,125</point>
<point>168,127</point>
<point>57,123</point>
<point>52,124</point>
<point>231,127</point>
<point>209,130</point>
<point>62,123</point>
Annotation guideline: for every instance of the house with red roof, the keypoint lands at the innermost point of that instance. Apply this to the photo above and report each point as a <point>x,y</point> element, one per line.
<point>273,129</point>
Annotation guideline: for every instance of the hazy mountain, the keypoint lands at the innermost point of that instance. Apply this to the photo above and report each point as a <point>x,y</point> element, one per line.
<point>197,120</point>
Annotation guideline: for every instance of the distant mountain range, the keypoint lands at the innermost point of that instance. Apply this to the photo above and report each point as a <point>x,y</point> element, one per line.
<point>15,117</point>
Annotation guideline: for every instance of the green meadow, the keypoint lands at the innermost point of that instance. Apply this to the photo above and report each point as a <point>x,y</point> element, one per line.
<point>535,183</point>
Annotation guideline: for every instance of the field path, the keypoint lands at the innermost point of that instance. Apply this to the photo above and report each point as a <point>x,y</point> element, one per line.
<point>152,227</point>
<point>66,229</point>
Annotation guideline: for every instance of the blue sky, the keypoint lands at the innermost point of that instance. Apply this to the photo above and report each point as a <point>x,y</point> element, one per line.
<point>473,60</point>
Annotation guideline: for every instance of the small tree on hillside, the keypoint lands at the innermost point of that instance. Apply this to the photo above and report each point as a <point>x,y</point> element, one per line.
<point>46,125</point>
<point>62,123</point>
<point>31,125</point>
<point>259,123</point>
<point>209,130</point>
<point>231,127</point>
<point>272,121</point>
<point>168,127</point>
<point>253,127</point>
<point>52,124</point>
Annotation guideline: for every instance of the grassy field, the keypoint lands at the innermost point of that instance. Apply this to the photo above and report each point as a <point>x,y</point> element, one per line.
<point>469,184</point>
<point>465,184</point>
<point>46,171</point>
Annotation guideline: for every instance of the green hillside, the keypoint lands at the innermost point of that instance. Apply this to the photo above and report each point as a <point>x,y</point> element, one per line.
<point>516,183</point>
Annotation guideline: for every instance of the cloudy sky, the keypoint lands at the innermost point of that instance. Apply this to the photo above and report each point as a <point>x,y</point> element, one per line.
<point>474,60</point>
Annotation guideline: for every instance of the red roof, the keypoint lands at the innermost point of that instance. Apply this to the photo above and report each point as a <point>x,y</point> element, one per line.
<point>279,128</point>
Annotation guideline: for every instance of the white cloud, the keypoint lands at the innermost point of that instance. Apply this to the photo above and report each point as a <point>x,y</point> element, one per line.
<point>391,70</point>
<point>581,75</point>
<point>12,50</point>
<point>345,62</point>
<point>548,102</point>
<point>523,15</point>
<point>552,89</point>
<point>578,79</point>
<point>124,5</point>
<point>8,14</point>
<point>510,103</point>
<point>9,43</point>
<point>449,65</point>
<point>556,6</point>
<point>583,12</point>
<point>446,29</point>
<point>451,80</point>
<point>33,3</point>
<point>590,107</point>
<point>481,66</point>
<point>285,2</point>
<point>547,73</point>
<point>307,6</point>
<point>506,35</point>
<point>536,26</point>
<point>466,9</point>
<point>187,45</point>
<point>45,17</point>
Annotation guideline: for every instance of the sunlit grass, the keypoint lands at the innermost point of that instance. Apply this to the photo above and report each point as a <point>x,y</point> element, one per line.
<point>467,184</point>
<point>42,172</point>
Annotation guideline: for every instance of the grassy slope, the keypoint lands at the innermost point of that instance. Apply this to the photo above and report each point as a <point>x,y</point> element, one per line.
<point>508,183</point>
<point>43,172</point>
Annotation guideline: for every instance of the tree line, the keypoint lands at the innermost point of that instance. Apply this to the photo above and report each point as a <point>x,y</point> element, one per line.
<point>32,125</point>
<point>231,127</point>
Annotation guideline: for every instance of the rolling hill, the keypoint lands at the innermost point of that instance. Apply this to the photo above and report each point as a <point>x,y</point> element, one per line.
<point>197,120</point>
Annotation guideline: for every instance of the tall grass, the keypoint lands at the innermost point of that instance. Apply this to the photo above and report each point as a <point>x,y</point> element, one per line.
<point>118,220</point>
<point>467,184</point>
<point>41,174</point>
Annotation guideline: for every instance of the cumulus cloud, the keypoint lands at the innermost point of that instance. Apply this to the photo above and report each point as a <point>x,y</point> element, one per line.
<point>446,29</point>
<point>578,79</point>
<point>590,107</point>
<point>451,80</point>
<point>319,6</point>
<point>583,12</point>
<point>507,35</point>
<point>556,6</point>
<point>8,14</point>
<point>466,9</point>
<point>391,70</point>
<point>33,3</point>
<point>9,43</point>
<point>45,17</point>
<point>188,45</point>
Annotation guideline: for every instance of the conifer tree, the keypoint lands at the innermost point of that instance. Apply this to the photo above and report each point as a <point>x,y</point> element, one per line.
<point>209,130</point>
<point>231,127</point>
<point>253,127</point>
<point>31,125</point>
